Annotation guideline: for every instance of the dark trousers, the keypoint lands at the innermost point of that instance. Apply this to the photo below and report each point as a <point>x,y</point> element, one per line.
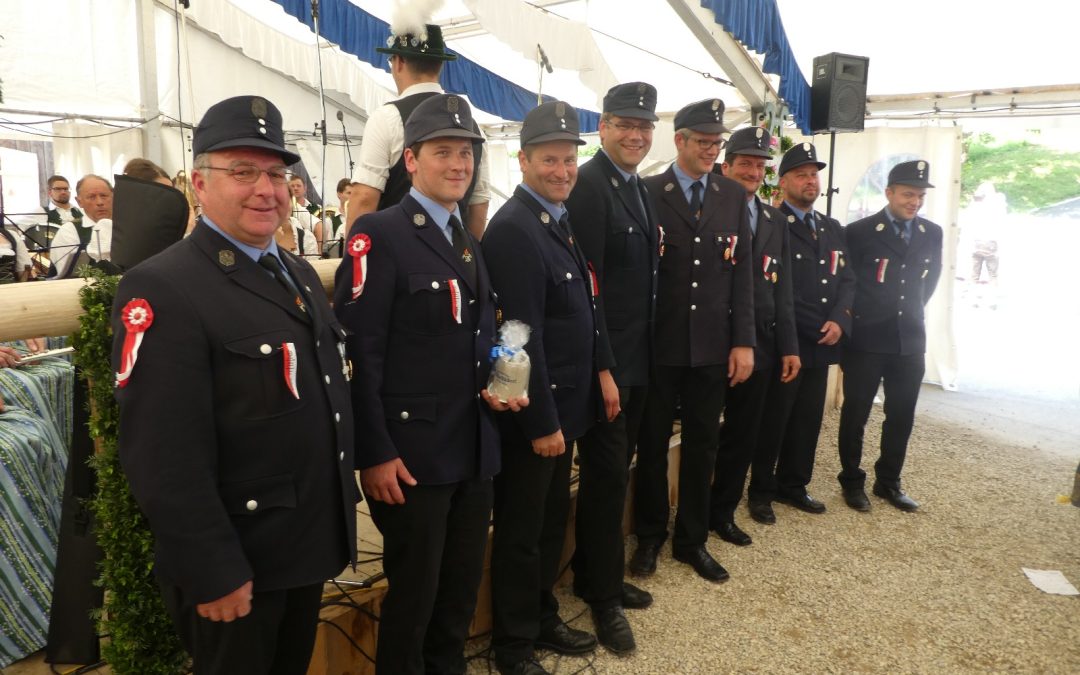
<point>532,502</point>
<point>700,391</point>
<point>604,455</point>
<point>787,444</point>
<point>902,375</point>
<point>433,556</point>
<point>743,412</point>
<point>276,638</point>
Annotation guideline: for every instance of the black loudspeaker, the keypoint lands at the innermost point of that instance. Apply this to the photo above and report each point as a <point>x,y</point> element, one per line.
<point>838,93</point>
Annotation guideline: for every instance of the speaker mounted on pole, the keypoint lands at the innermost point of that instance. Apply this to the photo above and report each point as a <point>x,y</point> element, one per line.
<point>838,93</point>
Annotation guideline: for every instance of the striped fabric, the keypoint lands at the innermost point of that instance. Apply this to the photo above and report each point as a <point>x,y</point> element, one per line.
<point>35,432</point>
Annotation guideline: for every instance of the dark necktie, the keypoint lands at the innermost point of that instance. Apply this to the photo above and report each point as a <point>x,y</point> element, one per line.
<point>810,224</point>
<point>633,183</point>
<point>695,200</point>
<point>902,231</point>
<point>270,262</point>
<point>461,247</point>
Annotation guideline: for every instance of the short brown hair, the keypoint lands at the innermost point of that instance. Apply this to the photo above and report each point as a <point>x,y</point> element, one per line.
<point>144,169</point>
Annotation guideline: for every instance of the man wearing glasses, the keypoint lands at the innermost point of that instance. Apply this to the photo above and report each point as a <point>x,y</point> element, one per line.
<point>704,337</point>
<point>416,57</point>
<point>61,210</point>
<point>615,224</point>
<point>235,415</point>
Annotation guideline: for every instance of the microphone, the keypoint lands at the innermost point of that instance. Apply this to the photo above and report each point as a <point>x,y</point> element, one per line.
<point>340,116</point>
<point>543,58</point>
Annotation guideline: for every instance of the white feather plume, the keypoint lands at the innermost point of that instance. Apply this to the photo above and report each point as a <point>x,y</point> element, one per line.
<point>412,17</point>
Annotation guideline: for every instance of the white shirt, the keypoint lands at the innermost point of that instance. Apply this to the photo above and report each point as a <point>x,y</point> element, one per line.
<point>384,142</point>
<point>65,214</point>
<point>304,218</point>
<point>66,243</point>
<point>22,255</point>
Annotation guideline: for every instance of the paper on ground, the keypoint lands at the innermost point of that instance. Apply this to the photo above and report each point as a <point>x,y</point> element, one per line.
<point>1050,581</point>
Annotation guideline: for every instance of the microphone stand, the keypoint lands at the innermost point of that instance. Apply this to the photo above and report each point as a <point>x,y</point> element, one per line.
<point>543,64</point>
<point>322,105</point>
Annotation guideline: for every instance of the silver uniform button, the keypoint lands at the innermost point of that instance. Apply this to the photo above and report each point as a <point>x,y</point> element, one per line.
<point>337,417</point>
<point>901,297</point>
<point>326,378</point>
<point>824,299</point>
<point>554,386</point>
<point>693,307</point>
<point>798,256</point>
<point>317,343</point>
<point>435,284</point>
<point>903,265</point>
<point>477,332</point>
<point>477,364</point>
<point>265,349</point>
<point>693,285</point>
<point>824,281</point>
<point>341,456</point>
<point>252,505</point>
<point>404,414</point>
<point>472,302</point>
<point>697,240</point>
<point>900,313</point>
<point>821,262</point>
<point>697,262</point>
<point>569,276</point>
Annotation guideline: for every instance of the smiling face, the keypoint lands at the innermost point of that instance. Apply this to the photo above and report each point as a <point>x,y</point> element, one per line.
<point>249,212</point>
<point>905,200</point>
<point>697,154</point>
<point>550,169</point>
<point>746,170</point>
<point>626,141</point>
<point>441,169</point>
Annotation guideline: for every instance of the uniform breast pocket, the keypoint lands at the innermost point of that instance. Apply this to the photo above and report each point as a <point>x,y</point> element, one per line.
<point>261,378</point>
<point>429,309</point>
<point>630,245</point>
<point>569,294</point>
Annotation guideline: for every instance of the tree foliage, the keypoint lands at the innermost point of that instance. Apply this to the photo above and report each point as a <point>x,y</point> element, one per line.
<point>1030,176</point>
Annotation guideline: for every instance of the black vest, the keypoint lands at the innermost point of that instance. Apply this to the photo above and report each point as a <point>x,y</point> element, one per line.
<point>398,182</point>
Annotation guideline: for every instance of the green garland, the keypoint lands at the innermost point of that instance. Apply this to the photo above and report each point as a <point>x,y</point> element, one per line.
<point>142,639</point>
<point>771,185</point>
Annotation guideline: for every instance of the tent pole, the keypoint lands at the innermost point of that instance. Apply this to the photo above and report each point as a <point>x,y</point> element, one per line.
<point>322,105</point>
<point>832,169</point>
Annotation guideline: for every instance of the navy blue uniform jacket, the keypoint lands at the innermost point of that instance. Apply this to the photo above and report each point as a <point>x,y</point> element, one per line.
<point>416,392</point>
<point>238,478</point>
<point>543,281</point>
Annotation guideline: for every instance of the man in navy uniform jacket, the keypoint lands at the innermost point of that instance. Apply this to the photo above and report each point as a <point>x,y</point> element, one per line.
<point>896,256</point>
<point>413,289</point>
<point>235,425</point>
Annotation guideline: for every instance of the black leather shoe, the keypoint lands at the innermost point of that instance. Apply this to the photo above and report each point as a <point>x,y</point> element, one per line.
<point>803,502</point>
<point>634,598</point>
<point>703,564</point>
<point>563,639</point>
<point>526,667</point>
<point>856,498</point>
<point>761,512</point>
<point>643,562</point>
<point>613,630</point>
<point>896,497</point>
<point>731,533</point>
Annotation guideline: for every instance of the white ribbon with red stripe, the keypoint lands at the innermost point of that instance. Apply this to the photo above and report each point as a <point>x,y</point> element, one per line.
<point>288,356</point>
<point>882,264</point>
<point>455,299</point>
<point>358,247</point>
<point>834,261</point>
<point>733,241</point>
<point>594,285</point>
<point>137,316</point>
<point>766,261</point>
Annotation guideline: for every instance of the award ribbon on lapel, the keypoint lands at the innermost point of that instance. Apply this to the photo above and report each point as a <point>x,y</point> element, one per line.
<point>882,264</point>
<point>733,240</point>
<point>834,261</point>
<point>766,261</point>
<point>137,317</point>
<point>455,299</point>
<point>359,247</point>
<point>288,356</point>
<point>594,285</point>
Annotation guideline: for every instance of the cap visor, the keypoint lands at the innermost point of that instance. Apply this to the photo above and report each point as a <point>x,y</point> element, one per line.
<point>639,113</point>
<point>555,136</point>
<point>289,158</point>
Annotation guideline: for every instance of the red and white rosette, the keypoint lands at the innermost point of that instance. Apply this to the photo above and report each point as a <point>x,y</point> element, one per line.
<point>455,299</point>
<point>137,317</point>
<point>834,261</point>
<point>359,246</point>
<point>766,261</point>
<point>288,355</point>
<point>594,285</point>
<point>882,264</point>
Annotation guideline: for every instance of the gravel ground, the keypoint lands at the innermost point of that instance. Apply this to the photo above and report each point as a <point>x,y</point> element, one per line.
<point>937,591</point>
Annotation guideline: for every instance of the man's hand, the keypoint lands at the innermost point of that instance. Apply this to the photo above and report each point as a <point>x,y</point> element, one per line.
<point>832,332</point>
<point>740,364</point>
<point>512,404</point>
<point>9,358</point>
<point>789,367</point>
<point>235,605</point>
<point>381,482</point>
<point>551,445</point>
<point>35,345</point>
<point>610,391</point>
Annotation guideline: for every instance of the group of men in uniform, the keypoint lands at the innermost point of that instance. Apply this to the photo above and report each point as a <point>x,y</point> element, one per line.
<point>679,295</point>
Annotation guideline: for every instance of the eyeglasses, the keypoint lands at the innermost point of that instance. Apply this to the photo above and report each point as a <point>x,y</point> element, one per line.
<point>249,173</point>
<point>625,128</point>
<point>704,144</point>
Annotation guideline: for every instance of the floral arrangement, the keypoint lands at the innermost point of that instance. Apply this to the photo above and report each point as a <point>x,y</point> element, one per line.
<point>770,187</point>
